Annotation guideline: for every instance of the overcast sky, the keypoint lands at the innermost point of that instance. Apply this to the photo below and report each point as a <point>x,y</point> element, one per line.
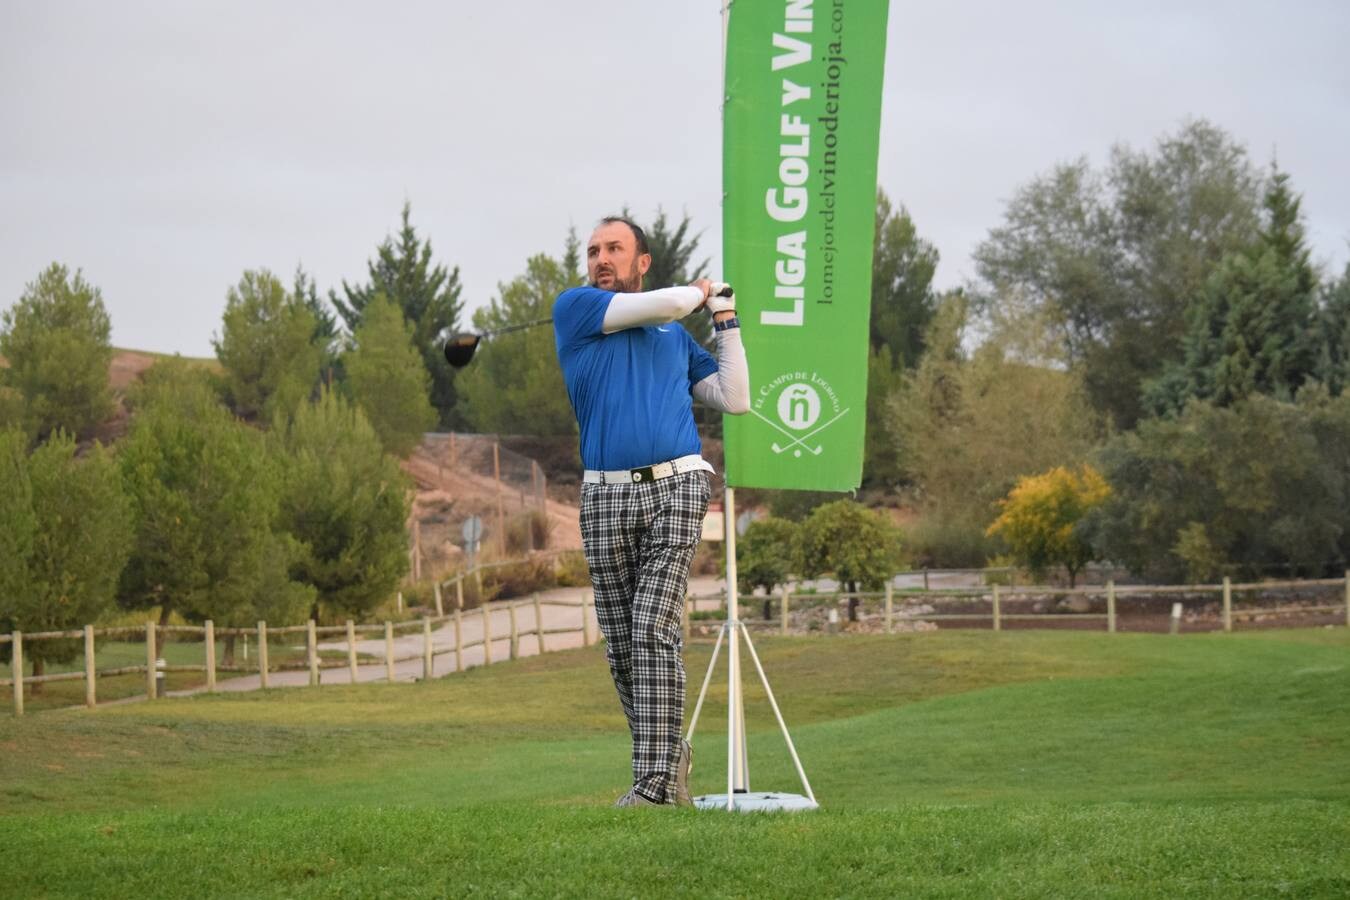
<point>166,147</point>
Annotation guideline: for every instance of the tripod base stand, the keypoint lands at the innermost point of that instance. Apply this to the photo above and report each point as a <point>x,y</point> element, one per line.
<point>757,801</point>
<point>738,795</point>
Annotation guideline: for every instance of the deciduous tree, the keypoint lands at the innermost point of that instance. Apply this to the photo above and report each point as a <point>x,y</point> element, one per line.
<point>1111,259</point>
<point>858,545</point>
<point>1040,519</point>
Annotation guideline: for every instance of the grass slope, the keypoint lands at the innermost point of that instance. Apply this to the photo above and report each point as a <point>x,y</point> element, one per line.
<point>949,764</point>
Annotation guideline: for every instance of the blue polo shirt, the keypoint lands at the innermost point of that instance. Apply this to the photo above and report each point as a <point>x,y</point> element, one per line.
<point>631,390</point>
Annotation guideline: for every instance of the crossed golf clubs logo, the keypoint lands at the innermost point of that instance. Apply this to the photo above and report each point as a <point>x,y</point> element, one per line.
<point>798,407</point>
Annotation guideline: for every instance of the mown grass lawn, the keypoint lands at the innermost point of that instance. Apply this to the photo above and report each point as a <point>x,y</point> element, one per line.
<point>1021,764</point>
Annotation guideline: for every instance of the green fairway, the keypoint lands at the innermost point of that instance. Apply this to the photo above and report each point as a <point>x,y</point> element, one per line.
<point>947,764</point>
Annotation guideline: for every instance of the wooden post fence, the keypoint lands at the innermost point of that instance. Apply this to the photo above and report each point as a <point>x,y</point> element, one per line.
<point>91,668</point>
<point>351,649</point>
<point>501,515</point>
<point>427,658</point>
<point>312,652</point>
<point>783,602</point>
<point>998,620</point>
<point>436,589</point>
<point>262,654</point>
<point>459,592</point>
<point>1227,604</point>
<point>16,669</point>
<point>587,636</point>
<point>210,639</point>
<point>539,624</point>
<point>487,636</point>
<point>150,660</point>
<point>389,652</point>
<point>459,640</point>
<point>890,608</point>
<point>515,635</point>
<point>1111,607</point>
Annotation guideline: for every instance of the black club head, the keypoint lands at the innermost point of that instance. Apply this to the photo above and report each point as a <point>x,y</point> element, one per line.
<point>459,349</point>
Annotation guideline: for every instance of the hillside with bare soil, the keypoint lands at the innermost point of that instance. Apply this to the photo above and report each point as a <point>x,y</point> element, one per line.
<point>453,479</point>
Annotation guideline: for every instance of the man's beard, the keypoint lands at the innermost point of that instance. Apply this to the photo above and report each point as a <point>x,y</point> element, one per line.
<point>630,285</point>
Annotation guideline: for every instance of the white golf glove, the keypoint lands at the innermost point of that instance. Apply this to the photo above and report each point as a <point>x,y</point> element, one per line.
<point>721,299</point>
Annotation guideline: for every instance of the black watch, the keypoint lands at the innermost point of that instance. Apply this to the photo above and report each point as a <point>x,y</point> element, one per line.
<point>727,324</point>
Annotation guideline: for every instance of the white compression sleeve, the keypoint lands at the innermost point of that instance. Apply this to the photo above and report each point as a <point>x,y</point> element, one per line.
<point>651,307</point>
<point>728,389</point>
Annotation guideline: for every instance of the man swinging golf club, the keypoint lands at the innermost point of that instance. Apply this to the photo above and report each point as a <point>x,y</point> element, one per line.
<point>632,374</point>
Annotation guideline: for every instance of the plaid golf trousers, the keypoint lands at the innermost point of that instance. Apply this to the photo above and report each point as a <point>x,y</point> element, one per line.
<point>639,540</point>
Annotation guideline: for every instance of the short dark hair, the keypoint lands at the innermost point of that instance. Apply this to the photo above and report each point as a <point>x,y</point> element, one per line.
<point>634,227</point>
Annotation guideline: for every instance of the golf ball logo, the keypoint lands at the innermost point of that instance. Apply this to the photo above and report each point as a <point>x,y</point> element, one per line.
<point>799,406</point>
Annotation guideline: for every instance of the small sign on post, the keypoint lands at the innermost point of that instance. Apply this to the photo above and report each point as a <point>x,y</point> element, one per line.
<point>472,532</point>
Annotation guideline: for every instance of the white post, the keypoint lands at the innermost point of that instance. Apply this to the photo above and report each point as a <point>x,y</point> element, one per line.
<point>737,776</point>
<point>1111,606</point>
<point>998,619</point>
<point>91,668</point>
<point>436,589</point>
<point>890,608</point>
<point>210,655</point>
<point>389,652</point>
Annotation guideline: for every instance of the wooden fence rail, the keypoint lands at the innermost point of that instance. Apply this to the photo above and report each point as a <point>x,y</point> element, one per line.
<point>898,605</point>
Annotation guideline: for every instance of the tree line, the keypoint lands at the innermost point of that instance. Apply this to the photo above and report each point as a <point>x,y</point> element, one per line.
<point>1148,368</point>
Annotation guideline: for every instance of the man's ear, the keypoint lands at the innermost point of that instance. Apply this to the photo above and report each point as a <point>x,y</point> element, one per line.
<point>644,262</point>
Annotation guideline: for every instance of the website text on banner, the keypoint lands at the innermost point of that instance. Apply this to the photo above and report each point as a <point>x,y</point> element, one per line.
<point>803,108</point>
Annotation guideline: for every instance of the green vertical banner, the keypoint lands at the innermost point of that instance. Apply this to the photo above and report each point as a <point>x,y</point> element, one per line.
<point>799,170</point>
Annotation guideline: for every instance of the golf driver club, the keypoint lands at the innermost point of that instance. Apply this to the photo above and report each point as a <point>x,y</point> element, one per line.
<point>460,347</point>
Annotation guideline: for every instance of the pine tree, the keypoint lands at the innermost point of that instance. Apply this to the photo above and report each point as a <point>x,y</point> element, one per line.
<point>267,347</point>
<point>345,501</point>
<point>1335,316</point>
<point>427,295</point>
<point>1254,327</point>
<point>64,538</point>
<point>57,340</point>
<point>205,494</point>
<point>387,378</point>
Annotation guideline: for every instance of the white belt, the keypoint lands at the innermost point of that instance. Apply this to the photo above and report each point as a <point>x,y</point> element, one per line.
<point>691,463</point>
